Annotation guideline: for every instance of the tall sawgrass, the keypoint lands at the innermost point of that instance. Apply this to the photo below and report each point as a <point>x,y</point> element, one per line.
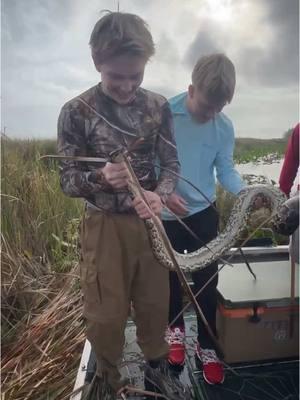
<point>39,249</point>
<point>39,229</point>
<point>36,215</point>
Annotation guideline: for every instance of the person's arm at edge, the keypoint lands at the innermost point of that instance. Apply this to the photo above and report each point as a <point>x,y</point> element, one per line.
<point>291,163</point>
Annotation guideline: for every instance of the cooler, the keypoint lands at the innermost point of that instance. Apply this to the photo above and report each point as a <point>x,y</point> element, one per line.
<point>255,319</point>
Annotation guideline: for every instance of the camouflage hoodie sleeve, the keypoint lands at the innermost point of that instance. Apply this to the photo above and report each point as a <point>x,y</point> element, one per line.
<point>75,178</point>
<point>167,154</point>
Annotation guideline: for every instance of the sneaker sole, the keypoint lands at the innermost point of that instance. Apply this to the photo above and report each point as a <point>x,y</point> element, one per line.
<point>211,383</point>
<point>176,364</point>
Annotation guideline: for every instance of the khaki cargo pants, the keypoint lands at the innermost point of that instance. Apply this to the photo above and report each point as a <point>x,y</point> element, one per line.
<point>117,268</point>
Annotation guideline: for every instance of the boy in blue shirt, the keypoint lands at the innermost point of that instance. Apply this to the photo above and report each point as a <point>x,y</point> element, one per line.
<point>205,144</point>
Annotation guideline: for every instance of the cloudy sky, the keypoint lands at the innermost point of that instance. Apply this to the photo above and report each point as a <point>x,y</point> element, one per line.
<point>46,58</point>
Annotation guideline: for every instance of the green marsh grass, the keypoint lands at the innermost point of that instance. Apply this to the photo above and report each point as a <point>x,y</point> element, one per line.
<point>252,150</point>
<point>35,211</point>
<point>39,252</point>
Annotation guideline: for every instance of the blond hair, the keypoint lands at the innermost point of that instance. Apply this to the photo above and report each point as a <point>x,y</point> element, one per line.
<point>214,75</point>
<point>120,33</point>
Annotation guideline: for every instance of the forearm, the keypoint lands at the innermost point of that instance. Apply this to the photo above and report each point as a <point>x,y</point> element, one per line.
<point>286,179</point>
<point>77,183</point>
<point>231,181</point>
<point>167,179</point>
<point>168,156</point>
<point>227,175</point>
<point>290,166</point>
<point>76,179</point>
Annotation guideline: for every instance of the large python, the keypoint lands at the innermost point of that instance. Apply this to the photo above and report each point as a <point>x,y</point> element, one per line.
<point>199,259</point>
<point>272,197</point>
<point>242,209</point>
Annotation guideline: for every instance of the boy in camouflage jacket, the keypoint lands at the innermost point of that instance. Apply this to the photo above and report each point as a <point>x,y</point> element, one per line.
<point>117,265</point>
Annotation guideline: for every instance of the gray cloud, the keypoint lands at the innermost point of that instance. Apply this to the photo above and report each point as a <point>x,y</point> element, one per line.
<point>46,58</point>
<point>166,91</point>
<point>166,50</point>
<point>270,61</point>
<point>33,22</point>
<point>208,40</point>
<point>277,64</point>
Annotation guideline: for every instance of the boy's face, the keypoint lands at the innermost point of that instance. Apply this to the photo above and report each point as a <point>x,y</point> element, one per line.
<point>201,109</point>
<point>121,76</point>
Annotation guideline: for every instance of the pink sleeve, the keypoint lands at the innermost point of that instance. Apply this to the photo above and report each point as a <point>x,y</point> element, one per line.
<point>291,163</point>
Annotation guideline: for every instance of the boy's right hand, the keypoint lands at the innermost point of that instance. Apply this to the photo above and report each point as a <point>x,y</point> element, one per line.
<point>177,204</point>
<point>115,174</point>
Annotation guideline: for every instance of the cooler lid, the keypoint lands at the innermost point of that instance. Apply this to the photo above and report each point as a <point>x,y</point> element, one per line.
<point>272,288</point>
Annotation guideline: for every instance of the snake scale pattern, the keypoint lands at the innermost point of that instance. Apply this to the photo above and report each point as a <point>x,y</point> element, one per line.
<point>241,211</point>
<point>286,220</point>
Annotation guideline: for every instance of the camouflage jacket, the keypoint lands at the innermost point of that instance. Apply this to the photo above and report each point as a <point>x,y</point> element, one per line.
<point>94,125</point>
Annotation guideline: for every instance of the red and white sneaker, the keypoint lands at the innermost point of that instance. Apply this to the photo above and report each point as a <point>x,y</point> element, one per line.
<point>175,337</point>
<point>213,371</point>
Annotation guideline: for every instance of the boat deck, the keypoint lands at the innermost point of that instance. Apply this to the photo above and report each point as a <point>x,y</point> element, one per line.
<point>260,380</point>
<point>268,380</point>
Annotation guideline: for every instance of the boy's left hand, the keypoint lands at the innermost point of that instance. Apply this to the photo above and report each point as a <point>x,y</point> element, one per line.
<point>143,210</point>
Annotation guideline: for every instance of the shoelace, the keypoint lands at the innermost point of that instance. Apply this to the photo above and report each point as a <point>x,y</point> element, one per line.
<point>175,336</point>
<point>208,356</point>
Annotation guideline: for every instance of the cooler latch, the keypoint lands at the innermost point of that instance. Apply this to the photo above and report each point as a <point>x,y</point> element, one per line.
<point>255,317</point>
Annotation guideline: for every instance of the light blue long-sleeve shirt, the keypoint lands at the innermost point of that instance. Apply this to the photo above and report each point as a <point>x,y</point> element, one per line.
<point>205,153</point>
